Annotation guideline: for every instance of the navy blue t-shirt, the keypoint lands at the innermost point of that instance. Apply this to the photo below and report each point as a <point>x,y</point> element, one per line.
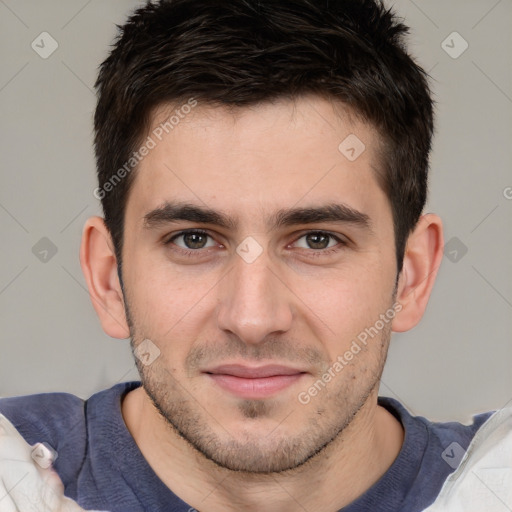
<point>102,468</point>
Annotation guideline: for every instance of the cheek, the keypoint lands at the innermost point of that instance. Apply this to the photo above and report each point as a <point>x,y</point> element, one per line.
<point>344,303</point>
<point>164,301</point>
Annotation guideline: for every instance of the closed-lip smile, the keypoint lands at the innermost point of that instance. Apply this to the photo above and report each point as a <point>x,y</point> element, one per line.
<point>256,382</point>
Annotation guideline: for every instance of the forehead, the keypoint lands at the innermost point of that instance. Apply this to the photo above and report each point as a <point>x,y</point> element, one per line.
<point>260,158</point>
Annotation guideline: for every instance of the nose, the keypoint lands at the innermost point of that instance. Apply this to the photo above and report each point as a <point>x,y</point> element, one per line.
<point>254,301</point>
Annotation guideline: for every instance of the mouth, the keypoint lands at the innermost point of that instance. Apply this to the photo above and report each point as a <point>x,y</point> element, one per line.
<point>254,382</point>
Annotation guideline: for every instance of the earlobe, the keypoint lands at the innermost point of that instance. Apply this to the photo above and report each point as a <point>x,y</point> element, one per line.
<point>99,265</point>
<point>423,255</point>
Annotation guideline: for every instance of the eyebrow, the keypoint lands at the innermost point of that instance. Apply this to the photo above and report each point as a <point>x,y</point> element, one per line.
<point>171,212</point>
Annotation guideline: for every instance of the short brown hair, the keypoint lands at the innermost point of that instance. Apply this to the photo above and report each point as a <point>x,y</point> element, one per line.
<point>243,52</point>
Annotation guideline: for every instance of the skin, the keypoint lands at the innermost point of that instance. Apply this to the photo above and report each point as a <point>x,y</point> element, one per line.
<point>296,305</point>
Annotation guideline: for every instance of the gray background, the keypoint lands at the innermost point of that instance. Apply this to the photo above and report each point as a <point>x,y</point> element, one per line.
<point>457,362</point>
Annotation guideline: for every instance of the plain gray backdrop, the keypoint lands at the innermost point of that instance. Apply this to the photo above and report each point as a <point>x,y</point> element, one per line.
<point>455,363</point>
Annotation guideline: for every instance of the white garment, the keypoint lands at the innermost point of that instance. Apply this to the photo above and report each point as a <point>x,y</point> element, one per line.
<point>27,480</point>
<point>483,480</point>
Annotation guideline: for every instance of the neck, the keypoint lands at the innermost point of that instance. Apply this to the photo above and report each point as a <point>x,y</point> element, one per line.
<point>336,476</point>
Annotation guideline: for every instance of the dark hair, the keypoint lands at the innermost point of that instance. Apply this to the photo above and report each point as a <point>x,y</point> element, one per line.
<point>241,52</point>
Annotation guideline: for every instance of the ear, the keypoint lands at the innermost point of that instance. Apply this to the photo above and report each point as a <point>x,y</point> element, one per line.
<point>423,255</point>
<point>99,265</point>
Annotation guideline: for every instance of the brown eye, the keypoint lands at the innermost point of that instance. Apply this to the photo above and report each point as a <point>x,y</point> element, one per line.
<point>192,240</point>
<point>317,240</point>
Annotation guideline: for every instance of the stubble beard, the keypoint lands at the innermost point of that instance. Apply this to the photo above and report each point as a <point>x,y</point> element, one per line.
<point>330,413</point>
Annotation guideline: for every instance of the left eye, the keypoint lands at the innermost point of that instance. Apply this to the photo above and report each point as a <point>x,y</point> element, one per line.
<point>192,240</point>
<point>317,240</point>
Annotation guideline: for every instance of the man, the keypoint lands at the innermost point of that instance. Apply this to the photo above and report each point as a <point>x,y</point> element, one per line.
<point>263,171</point>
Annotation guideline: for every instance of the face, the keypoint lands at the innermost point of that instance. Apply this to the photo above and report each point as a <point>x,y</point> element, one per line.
<point>255,254</point>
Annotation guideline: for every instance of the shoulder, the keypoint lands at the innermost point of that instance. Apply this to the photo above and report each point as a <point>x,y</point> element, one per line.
<point>65,422</point>
<point>44,416</point>
<point>455,436</point>
<point>483,479</point>
<point>56,419</point>
<point>439,433</point>
<point>433,449</point>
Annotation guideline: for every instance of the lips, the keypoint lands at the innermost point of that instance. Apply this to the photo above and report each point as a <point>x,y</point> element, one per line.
<point>254,382</point>
<point>247,372</point>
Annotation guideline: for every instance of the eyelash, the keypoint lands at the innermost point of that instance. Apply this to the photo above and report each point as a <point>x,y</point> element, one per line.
<point>313,252</point>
